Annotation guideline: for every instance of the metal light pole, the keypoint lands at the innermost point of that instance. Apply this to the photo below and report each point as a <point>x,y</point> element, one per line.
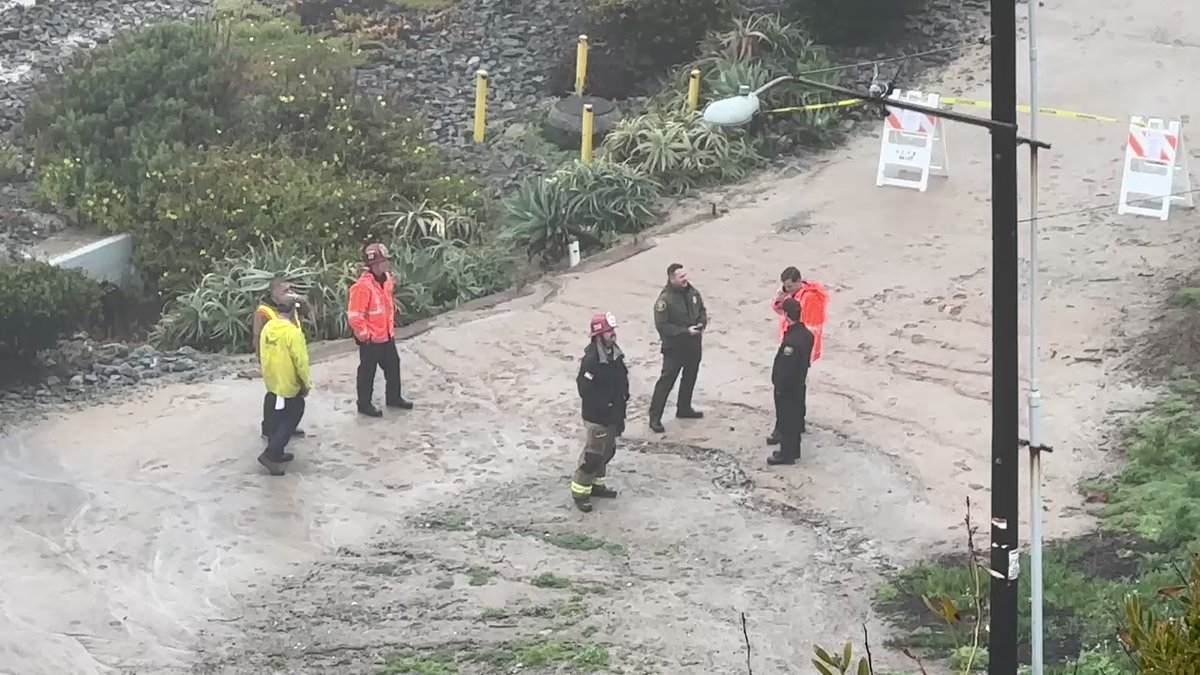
<point>1035,393</point>
<point>1006,390</point>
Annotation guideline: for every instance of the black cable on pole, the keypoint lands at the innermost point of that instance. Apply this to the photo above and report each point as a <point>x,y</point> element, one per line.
<point>903,57</point>
<point>1006,391</point>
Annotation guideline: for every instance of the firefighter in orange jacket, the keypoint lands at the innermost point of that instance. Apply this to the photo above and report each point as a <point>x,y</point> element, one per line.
<point>812,299</point>
<point>372,317</point>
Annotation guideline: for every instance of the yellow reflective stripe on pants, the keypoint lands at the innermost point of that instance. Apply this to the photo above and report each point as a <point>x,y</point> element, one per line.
<point>598,480</point>
<point>580,489</point>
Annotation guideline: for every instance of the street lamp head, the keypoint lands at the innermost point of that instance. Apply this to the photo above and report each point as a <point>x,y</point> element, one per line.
<point>733,111</point>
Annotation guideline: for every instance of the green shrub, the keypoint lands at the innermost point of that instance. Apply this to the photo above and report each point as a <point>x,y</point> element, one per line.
<point>423,222</point>
<point>12,162</point>
<point>215,315</point>
<point>852,22</point>
<point>757,50</point>
<point>40,302</point>
<point>1167,643</point>
<point>146,94</point>
<point>592,203</point>
<point>655,33</point>
<point>232,199</point>
<point>201,138</point>
<point>679,151</point>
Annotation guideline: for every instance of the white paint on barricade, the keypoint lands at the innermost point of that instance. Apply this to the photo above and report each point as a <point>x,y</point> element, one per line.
<point>913,144</point>
<point>1155,172</point>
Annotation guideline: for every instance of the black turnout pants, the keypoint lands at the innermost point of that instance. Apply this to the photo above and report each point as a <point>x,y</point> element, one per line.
<point>382,355</point>
<point>676,362</point>
<point>789,419</point>
<point>285,423</point>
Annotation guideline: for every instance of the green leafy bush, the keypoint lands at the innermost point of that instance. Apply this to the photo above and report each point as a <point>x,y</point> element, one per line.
<point>12,161</point>
<point>201,138</point>
<point>852,22</point>
<point>40,302</point>
<point>679,151</point>
<point>592,203</point>
<point>655,33</point>
<point>424,222</point>
<point>755,51</point>
<point>215,315</point>
<point>1167,643</point>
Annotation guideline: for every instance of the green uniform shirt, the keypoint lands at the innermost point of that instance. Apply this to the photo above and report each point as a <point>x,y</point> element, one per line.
<point>675,310</point>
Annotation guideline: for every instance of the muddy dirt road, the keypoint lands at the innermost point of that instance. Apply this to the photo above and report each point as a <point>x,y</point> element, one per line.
<point>143,537</point>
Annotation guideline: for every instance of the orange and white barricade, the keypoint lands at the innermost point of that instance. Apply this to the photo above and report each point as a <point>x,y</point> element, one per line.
<point>913,144</point>
<point>1155,172</point>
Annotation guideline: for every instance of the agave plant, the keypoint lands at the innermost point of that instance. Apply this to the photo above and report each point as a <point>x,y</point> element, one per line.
<point>215,316</point>
<point>423,221</point>
<point>539,216</point>
<point>679,151</point>
<point>607,197</point>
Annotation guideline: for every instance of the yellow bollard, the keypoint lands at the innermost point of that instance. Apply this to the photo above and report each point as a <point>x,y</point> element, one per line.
<point>481,87</point>
<point>693,99</point>
<point>585,136</point>
<point>581,54</point>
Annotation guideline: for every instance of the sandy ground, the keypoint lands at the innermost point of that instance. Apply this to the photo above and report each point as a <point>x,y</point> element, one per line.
<point>143,537</point>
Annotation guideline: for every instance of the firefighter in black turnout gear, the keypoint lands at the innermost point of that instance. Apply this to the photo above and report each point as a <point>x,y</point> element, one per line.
<point>603,383</point>
<point>789,377</point>
<point>680,317</point>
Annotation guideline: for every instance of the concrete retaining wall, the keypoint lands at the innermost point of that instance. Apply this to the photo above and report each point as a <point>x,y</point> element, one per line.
<point>109,259</point>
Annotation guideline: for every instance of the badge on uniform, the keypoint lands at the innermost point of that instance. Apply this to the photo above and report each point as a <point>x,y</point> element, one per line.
<point>660,306</point>
<point>788,351</point>
<point>695,299</point>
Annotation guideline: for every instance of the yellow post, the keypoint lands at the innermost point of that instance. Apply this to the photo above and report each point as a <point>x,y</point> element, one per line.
<point>481,87</point>
<point>585,136</point>
<point>581,54</point>
<point>693,99</point>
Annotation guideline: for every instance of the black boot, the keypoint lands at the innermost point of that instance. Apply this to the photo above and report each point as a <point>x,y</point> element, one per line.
<point>273,466</point>
<point>776,459</point>
<point>604,492</point>
<point>370,411</point>
<point>402,403</point>
<point>286,457</point>
<point>582,502</point>
<point>657,426</point>
<point>689,414</point>
<point>774,438</point>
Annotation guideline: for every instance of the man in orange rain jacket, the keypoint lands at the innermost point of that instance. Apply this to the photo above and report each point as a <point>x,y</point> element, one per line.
<point>812,299</point>
<point>371,314</point>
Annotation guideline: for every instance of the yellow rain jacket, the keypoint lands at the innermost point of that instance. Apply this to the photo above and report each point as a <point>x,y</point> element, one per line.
<point>283,354</point>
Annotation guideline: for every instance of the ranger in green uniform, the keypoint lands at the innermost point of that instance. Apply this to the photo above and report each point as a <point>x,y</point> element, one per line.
<point>680,317</point>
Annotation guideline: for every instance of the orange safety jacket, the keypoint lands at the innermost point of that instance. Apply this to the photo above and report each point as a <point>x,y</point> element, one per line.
<point>812,298</point>
<point>371,312</point>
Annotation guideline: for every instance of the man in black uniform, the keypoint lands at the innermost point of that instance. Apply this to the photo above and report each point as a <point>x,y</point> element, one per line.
<point>603,383</point>
<point>680,316</point>
<point>789,376</point>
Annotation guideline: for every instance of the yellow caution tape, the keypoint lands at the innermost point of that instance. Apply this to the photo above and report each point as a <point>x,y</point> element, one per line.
<point>1024,108</point>
<point>954,101</point>
<point>818,106</point>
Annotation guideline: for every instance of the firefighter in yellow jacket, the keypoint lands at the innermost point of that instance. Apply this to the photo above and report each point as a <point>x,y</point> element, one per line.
<point>283,354</point>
